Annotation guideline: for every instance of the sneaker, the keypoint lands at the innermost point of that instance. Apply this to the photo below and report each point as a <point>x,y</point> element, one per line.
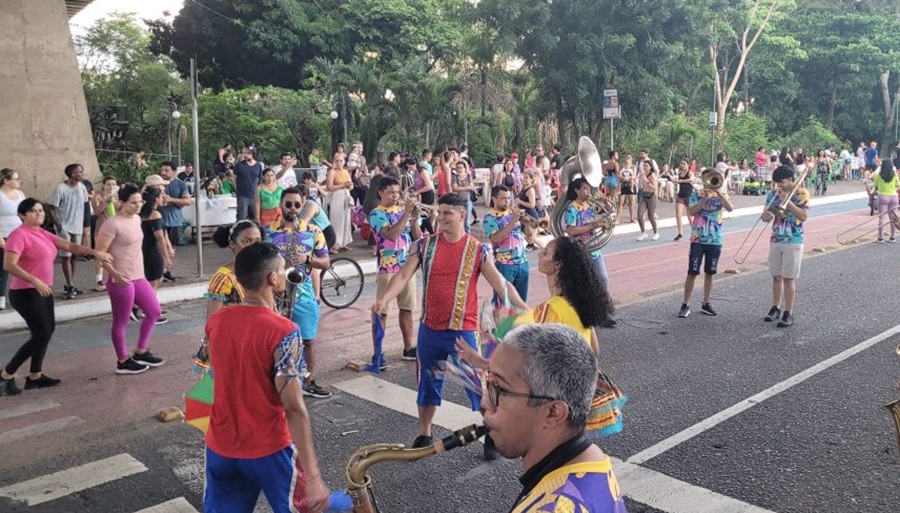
<point>655,236</point>
<point>162,319</point>
<point>77,291</point>
<point>678,237</point>
<point>787,320</point>
<point>68,292</point>
<point>773,315</point>
<point>609,323</point>
<point>167,276</point>
<point>685,311</point>
<point>642,238</point>
<point>422,441</point>
<point>409,354</point>
<point>8,387</point>
<point>879,240</point>
<point>490,450</point>
<point>86,258</point>
<point>707,309</point>
<point>136,314</point>
<point>149,359</point>
<point>130,366</point>
<point>42,382</point>
<point>312,389</point>
<point>892,240</point>
<point>2,302</point>
<point>100,287</point>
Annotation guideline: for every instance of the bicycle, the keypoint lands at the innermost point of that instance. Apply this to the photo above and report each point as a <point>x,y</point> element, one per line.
<point>342,283</point>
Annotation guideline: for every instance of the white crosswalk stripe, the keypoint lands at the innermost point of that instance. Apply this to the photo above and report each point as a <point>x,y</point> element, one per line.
<point>65,482</point>
<point>179,505</point>
<point>641,484</point>
<point>26,409</point>
<point>40,428</point>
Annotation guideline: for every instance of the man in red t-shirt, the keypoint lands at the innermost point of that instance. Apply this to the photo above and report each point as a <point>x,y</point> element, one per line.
<point>451,262</point>
<point>258,414</point>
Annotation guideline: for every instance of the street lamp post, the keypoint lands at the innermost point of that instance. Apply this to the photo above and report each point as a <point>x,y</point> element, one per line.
<point>176,115</point>
<point>334,115</point>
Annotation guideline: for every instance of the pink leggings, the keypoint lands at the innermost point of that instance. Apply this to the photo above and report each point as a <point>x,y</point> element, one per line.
<point>123,297</point>
<point>886,203</point>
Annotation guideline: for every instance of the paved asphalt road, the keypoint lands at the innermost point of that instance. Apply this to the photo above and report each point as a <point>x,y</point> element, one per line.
<point>725,413</point>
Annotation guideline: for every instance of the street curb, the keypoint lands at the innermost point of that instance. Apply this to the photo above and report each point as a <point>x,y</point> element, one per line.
<point>669,222</point>
<point>10,320</point>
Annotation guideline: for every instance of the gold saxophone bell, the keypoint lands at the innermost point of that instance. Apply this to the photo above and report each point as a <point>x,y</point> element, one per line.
<point>428,209</point>
<point>359,484</point>
<point>530,221</point>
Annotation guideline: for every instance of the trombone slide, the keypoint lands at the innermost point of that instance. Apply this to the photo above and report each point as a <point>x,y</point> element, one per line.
<point>779,211</point>
<point>893,217</point>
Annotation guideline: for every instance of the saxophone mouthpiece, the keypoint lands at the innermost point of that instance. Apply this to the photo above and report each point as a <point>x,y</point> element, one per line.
<point>464,436</point>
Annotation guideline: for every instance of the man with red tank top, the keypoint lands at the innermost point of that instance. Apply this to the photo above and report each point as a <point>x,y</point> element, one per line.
<point>259,435</point>
<point>452,261</point>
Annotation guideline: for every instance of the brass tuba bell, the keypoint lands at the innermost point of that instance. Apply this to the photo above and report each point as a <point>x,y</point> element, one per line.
<point>713,180</point>
<point>588,165</point>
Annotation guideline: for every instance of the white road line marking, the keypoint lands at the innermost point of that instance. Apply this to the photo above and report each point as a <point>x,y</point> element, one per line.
<point>646,486</point>
<point>39,429</point>
<point>722,416</point>
<point>179,505</point>
<point>65,482</point>
<point>27,408</point>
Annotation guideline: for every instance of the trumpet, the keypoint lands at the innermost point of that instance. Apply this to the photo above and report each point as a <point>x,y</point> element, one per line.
<point>779,211</point>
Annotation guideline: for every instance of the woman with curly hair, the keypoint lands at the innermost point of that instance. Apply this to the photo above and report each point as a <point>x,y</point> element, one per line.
<point>579,299</point>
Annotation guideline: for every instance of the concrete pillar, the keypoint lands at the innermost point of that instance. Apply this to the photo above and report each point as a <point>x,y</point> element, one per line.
<point>44,124</point>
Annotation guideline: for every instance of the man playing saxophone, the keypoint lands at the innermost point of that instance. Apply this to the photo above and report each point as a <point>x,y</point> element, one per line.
<point>706,239</point>
<point>788,209</point>
<point>303,246</point>
<point>537,399</point>
<point>501,225</point>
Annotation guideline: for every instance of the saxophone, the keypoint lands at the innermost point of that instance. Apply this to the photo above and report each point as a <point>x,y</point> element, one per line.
<point>359,484</point>
<point>294,275</point>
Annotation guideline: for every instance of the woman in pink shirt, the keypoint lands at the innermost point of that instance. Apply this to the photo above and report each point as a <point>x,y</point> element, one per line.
<point>122,236</point>
<point>28,256</point>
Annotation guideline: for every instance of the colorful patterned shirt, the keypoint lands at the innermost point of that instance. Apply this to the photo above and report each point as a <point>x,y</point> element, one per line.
<point>224,287</point>
<point>580,215</point>
<point>392,254</point>
<point>706,227</point>
<point>510,251</point>
<point>450,277</point>
<point>294,247</point>
<point>788,230</point>
<point>588,487</point>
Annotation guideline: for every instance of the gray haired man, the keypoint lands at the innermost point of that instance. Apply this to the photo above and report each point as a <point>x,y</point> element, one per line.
<point>537,400</point>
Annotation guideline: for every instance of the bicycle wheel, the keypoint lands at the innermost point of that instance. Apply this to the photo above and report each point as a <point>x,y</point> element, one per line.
<point>342,283</point>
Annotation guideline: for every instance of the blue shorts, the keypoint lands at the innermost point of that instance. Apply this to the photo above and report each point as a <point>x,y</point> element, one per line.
<point>708,253</point>
<point>434,346</point>
<point>233,485</point>
<point>306,317</point>
<point>517,274</point>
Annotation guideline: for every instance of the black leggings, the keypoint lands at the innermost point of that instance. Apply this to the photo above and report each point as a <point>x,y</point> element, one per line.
<point>41,320</point>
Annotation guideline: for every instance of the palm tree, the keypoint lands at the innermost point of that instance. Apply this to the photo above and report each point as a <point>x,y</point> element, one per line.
<point>676,129</point>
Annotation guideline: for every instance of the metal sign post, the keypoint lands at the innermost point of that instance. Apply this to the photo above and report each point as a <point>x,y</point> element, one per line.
<point>611,111</point>
<point>198,230</point>
<point>713,121</point>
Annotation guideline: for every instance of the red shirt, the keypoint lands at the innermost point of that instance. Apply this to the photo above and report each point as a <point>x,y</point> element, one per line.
<point>36,248</point>
<point>450,275</point>
<point>248,419</point>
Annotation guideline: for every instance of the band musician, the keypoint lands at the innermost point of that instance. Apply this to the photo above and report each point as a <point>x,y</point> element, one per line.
<point>501,225</point>
<point>706,242</point>
<point>451,261</point>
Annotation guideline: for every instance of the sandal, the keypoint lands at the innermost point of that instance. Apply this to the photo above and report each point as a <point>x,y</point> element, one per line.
<point>100,287</point>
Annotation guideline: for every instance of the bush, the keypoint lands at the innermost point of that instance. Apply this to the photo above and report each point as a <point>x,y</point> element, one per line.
<point>813,137</point>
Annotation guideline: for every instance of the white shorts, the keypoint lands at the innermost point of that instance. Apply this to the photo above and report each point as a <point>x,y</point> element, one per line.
<point>785,260</point>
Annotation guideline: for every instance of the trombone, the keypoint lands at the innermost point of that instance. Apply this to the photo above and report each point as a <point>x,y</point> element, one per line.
<point>779,211</point>
<point>893,217</point>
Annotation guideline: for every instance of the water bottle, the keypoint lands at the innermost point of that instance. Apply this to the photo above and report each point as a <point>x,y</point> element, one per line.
<point>110,209</point>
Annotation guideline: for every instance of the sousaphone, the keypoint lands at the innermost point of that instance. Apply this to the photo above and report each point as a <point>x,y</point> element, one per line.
<point>588,165</point>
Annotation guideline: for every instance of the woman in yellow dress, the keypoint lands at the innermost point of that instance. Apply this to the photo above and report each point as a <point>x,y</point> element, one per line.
<point>580,301</point>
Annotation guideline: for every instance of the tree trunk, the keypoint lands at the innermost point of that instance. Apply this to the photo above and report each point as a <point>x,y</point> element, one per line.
<point>888,108</point>
<point>483,88</point>
<point>832,102</point>
<point>560,124</point>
